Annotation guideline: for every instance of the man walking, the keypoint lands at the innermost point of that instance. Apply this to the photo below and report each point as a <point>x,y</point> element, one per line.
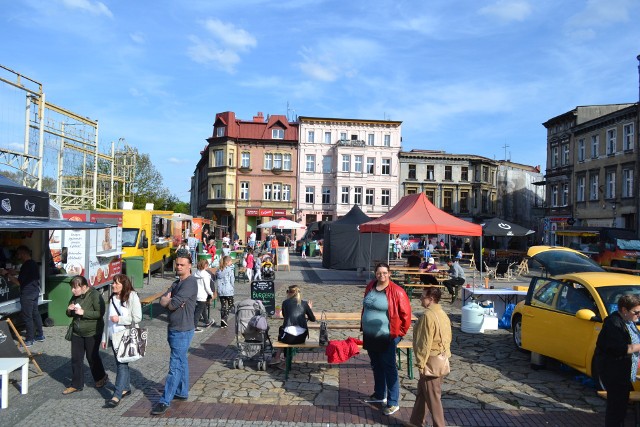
<point>192,242</point>
<point>180,300</point>
<point>456,280</point>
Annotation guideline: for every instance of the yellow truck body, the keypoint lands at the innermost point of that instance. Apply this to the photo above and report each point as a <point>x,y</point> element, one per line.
<point>147,234</point>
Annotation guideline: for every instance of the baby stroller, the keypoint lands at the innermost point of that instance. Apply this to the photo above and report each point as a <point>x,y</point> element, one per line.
<point>252,334</point>
<point>267,271</point>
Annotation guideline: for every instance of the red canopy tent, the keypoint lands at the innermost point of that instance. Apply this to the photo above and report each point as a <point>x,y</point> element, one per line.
<point>415,214</point>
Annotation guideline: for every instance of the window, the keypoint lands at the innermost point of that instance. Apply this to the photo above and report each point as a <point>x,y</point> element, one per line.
<point>611,142</point>
<point>357,195</point>
<point>286,192</point>
<point>475,199</point>
<point>311,136</point>
<point>286,162</point>
<point>327,164</point>
<point>277,161</point>
<point>581,152</point>
<point>220,131</point>
<point>610,184</point>
<point>464,201</point>
<point>386,167</point>
<point>217,191</point>
<point>371,165</point>
<point>447,173</point>
<point>485,174</point>
<point>346,163</point>
<point>230,191</point>
<point>357,163</point>
<point>368,198</point>
<point>354,137</point>
<point>554,157</point>
<point>476,172</point>
<point>544,295</point>
<point>245,161</point>
<point>464,173</point>
<point>412,171</point>
<point>554,195</point>
<point>565,154</point>
<point>277,191</point>
<point>268,161</point>
<point>565,194</point>
<point>344,195</point>
<point>370,139</point>
<point>431,195</point>
<point>385,197</point>
<point>593,187</point>
<point>627,182</point>
<point>326,195</point>
<point>218,158</point>
<point>580,187</point>
<point>343,136</point>
<point>387,140</point>
<point>447,200</point>
<point>627,135</point>
<point>244,190</point>
<point>230,159</point>
<point>595,141</point>
<point>310,165</point>
<point>266,194</point>
<point>430,173</point>
<point>327,137</point>
<point>277,133</point>
<point>309,193</point>
<point>485,201</point>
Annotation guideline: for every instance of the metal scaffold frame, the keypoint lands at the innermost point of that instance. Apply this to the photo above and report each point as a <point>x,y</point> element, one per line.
<point>68,152</point>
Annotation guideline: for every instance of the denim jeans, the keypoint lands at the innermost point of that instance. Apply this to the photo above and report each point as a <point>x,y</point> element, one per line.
<point>385,373</point>
<point>123,378</point>
<point>31,315</point>
<point>177,382</point>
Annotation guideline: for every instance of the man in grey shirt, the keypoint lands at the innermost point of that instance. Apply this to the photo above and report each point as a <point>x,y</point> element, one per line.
<point>180,300</point>
<point>456,280</point>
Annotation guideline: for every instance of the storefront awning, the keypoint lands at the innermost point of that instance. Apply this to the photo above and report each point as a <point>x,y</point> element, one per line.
<point>48,224</point>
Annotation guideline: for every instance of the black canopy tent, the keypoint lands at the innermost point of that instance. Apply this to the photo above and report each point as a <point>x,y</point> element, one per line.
<point>25,211</point>
<point>345,248</point>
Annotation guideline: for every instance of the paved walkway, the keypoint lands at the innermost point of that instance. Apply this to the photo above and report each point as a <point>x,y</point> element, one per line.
<point>491,383</point>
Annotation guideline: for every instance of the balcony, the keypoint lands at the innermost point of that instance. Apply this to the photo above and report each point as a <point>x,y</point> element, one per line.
<point>350,143</point>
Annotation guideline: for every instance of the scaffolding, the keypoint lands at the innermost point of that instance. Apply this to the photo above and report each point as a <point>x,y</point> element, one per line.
<point>60,150</point>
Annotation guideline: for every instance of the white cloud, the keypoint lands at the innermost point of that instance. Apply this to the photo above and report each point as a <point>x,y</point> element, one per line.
<point>176,161</point>
<point>223,48</point>
<point>332,59</point>
<point>508,10</point>
<point>93,7</point>
<point>137,37</point>
<point>598,14</point>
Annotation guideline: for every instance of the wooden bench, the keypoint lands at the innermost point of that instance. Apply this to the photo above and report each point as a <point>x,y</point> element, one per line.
<point>634,397</point>
<point>291,350</point>
<point>148,302</point>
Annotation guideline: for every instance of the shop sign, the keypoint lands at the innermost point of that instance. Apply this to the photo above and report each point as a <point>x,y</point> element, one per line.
<point>279,212</point>
<point>251,212</point>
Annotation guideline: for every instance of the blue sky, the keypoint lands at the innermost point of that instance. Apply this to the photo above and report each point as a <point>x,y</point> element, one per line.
<point>465,76</point>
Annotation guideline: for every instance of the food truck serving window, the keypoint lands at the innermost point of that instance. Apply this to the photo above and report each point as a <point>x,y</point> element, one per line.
<point>129,237</point>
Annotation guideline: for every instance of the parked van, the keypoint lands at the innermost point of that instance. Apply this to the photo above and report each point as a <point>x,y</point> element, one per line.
<point>147,233</point>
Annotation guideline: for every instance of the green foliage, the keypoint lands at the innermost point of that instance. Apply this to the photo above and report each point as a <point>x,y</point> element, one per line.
<point>148,188</point>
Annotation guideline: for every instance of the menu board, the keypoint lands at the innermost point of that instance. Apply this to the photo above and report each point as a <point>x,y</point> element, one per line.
<point>265,291</point>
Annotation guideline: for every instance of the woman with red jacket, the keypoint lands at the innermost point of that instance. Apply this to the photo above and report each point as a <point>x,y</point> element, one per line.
<point>386,318</point>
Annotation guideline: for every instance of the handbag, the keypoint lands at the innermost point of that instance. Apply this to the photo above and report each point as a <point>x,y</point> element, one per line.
<point>133,344</point>
<point>437,366</point>
<point>323,339</point>
<point>69,333</point>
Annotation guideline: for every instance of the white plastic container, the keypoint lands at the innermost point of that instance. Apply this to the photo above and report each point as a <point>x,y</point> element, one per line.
<point>489,323</point>
<point>472,318</point>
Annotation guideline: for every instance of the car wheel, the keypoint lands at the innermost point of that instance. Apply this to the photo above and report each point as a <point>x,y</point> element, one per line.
<point>517,332</point>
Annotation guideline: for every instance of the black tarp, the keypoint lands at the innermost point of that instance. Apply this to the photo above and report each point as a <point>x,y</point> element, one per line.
<point>501,227</point>
<point>345,248</point>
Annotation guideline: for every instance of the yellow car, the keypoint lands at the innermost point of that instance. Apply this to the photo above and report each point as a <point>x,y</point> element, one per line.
<point>562,314</point>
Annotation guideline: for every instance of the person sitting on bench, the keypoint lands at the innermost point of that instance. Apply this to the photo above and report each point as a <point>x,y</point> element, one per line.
<point>457,278</point>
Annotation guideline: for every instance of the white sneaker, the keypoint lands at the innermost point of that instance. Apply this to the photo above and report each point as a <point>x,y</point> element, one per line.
<point>198,330</point>
<point>389,410</point>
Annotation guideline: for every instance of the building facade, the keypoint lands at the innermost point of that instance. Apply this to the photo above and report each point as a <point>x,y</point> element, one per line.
<point>247,174</point>
<point>520,198</point>
<point>592,161</point>
<point>343,162</point>
<point>463,185</point>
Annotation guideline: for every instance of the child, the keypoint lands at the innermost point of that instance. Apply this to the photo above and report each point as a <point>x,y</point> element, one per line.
<point>204,292</point>
<point>304,249</point>
<point>250,264</point>
<point>226,251</point>
<point>226,282</point>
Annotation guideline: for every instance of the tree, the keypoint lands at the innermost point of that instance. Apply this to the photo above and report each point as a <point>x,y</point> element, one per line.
<point>148,188</point>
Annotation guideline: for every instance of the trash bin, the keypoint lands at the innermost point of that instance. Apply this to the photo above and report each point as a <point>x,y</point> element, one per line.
<point>134,268</point>
<point>313,247</point>
<point>58,290</point>
<point>205,255</point>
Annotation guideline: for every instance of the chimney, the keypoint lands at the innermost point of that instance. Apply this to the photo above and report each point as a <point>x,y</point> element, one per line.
<point>259,118</point>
